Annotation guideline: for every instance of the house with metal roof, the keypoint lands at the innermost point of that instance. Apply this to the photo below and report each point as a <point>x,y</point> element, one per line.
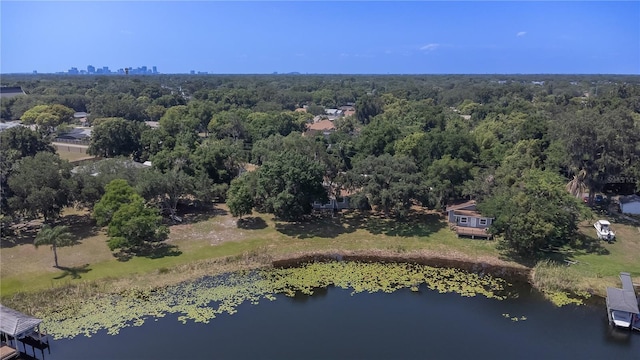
<point>18,327</point>
<point>467,221</point>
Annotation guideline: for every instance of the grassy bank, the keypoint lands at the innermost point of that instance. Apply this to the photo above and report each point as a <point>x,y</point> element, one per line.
<point>215,242</point>
<point>591,270</point>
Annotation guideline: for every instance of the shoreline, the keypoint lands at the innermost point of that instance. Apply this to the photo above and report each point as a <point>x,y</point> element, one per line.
<point>41,300</point>
<point>488,265</point>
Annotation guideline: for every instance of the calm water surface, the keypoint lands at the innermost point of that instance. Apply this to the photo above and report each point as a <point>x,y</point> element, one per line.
<point>332,324</point>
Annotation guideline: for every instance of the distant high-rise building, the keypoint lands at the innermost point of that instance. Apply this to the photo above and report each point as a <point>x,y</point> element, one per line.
<point>73,70</point>
<point>91,69</point>
<point>192,72</point>
<point>155,70</point>
<point>105,69</point>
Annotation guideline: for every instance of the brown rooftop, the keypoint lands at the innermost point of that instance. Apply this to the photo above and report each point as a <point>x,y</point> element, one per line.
<point>322,125</point>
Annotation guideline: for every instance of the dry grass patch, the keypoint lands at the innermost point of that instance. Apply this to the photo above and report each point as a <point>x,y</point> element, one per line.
<point>20,257</point>
<point>74,156</point>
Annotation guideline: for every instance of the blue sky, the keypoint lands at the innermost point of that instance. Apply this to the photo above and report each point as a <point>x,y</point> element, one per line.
<point>371,37</point>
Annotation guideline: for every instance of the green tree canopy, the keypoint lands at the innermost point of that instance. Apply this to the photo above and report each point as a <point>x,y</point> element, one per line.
<point>288,184</point>
<point>445,178</point>
<point>240,196</point>
<point>41,185</point>
<point>534,213</point>
<point>134,224</point>
<point>47,116</point>
<point>368,107</point>
<point>24,141</point>
<point>117,193</point>
<point>599,144</point>
<point>93,178</point>
<point>177,119</point>
<point>17,143</point>
<point>377,138</point>
<point>113,137</point>
<point>390,183</point>
<point>165,189</point>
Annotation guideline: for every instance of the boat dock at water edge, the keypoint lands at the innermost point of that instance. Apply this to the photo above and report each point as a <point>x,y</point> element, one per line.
<point>623,305</point>
<point>18,328</point>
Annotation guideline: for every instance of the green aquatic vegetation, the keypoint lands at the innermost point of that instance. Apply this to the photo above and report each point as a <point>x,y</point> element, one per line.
<point>514,318</point>
<point>204,299</point>
<point>562,298</point>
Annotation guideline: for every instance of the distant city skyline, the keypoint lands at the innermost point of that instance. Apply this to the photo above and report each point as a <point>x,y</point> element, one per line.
<point>92,70</point>
<point>359,37</point>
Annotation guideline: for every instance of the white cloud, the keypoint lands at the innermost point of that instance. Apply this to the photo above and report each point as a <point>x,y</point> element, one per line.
<point>430,47</point>
<point>521,34</point>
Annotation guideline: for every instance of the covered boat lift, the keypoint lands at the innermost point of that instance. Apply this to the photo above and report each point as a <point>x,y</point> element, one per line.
<point>622,304</point>
<point>18,327</point>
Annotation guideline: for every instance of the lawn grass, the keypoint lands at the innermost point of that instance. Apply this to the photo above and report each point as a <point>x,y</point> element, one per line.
<point>592,271</point>
<point>27,269</point>
<point>217,235</point>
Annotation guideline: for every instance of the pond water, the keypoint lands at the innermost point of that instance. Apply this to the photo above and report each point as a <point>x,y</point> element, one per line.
<point>334,324</point>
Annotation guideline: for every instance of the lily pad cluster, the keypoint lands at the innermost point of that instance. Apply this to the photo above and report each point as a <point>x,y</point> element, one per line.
<point>202,300</point>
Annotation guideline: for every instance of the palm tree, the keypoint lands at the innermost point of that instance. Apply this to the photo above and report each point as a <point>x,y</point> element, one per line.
<point>56,237</point>
<point>577,185</point>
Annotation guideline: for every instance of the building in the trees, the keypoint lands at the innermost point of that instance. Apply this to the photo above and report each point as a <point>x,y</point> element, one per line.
<point>10,91</point>
<point>324,127</point>
<point>467,221</point>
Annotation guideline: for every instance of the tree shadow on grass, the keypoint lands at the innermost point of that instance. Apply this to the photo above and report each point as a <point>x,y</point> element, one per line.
<point>151,251</point>
<point>80,226</point>
<point>582,245</point>
<point>317,226</point>
<point>73,272</point>
<point>20,234</point>
<point>160,250</point>
<point>252,223</point>
<point>416,224</point>
<point>198,213</point>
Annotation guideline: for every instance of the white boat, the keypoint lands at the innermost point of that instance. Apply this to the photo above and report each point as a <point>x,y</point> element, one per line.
<point>621,319</point>
<point>603,228</point>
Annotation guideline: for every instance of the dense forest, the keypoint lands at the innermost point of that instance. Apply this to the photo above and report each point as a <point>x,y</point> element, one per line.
<point>525,147</point>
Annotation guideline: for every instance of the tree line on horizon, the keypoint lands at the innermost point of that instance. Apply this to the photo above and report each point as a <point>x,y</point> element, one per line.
<point>525,147</point>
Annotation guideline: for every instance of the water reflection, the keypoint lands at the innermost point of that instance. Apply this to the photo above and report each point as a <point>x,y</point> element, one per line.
<point>336,324</point>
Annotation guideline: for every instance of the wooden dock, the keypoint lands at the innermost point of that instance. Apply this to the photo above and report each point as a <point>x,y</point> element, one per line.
<point>7,352</point>
<point>472,232</point>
